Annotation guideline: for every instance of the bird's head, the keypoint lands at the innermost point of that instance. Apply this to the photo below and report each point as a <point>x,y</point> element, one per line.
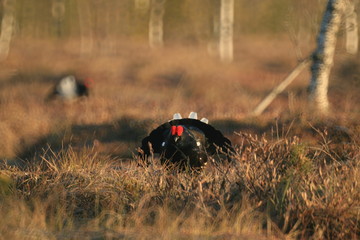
<point>186,145</point>
<point>187,136</point>
<point>177,132</point>
<point>88,82</point>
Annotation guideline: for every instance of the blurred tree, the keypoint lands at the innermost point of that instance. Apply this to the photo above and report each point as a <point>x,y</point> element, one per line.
<point>213,45</point>
<point>323,56</point>
<point>58,13</point>
<point>86,31</point>
<point>142,6</point>
<point>226,30</point>
<point>351,28</point>
<point>99,25</point>
<point>156,23</point>
<point>7,28</point>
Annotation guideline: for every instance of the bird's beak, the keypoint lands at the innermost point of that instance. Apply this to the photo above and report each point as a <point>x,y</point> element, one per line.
<point>176,138</point>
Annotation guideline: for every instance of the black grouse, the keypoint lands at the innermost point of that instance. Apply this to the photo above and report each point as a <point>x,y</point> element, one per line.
<point>70,87</point>
<point>185,141</point>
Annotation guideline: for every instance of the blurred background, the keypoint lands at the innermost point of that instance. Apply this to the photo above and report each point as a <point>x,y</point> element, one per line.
<point>107,23</point>
<point>103,26</point>
<point>137,87</point>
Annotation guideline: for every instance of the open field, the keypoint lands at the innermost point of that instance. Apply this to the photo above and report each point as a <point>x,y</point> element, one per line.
<point>69,170</point>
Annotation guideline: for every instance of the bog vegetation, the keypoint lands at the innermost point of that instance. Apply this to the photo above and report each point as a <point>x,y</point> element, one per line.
<point>69,170</point>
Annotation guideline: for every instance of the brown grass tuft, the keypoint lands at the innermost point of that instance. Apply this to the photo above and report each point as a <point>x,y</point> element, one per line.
<point>273,188</point>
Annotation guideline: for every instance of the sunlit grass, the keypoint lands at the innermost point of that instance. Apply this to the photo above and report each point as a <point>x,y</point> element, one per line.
<point>273,188</point>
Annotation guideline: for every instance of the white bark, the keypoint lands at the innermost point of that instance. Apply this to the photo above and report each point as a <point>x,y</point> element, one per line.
<point>142,6</point>
<point>86,31</point>
<point>7,28</point>
<point>351,28</point>
<point>58,13</point>
<point>323,56</point>
<point>156,23</point>
<point>213,45</point>
<point>58,9</point>
<point>226,30</point>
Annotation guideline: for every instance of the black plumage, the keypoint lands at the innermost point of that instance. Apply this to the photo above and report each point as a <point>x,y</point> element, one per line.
<point>82,88</point>
<point>191,147</point>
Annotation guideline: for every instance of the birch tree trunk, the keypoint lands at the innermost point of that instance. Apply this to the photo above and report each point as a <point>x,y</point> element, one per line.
<point>323,56</point>
<point>142,6</point>
<point>226,30</point>
<point>351,28</point>
<point>7,28</point>
<point>213,45</point>
<point>58,12</point>
<point>86,31</point>
<point>156,23</point>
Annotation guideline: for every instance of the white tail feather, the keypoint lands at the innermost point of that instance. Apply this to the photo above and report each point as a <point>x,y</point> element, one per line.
<point>193,115</point>
<point>177,116</point>
<point>67,87</point>
<point>69,78</point>
<point>205,120</point>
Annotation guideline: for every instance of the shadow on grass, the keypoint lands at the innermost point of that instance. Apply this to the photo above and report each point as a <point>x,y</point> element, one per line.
<point>277,129</point>
<point>229,126</point>
<point>116,139</point>
<point>119,139</point>
<point>23,78</point>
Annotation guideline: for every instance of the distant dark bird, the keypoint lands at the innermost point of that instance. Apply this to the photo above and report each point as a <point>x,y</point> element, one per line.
<point>70,88</point>
<point>185,141</point>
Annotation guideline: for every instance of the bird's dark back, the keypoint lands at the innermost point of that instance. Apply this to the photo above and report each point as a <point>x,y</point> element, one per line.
<point>214,137</point>
<point>82,90</point>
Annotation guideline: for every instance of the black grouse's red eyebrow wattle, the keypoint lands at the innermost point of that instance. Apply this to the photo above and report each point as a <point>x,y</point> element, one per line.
<point>177,130</point>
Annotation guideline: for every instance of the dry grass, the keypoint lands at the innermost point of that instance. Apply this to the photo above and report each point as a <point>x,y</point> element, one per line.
<point>278,188</point>
<point>69,169</point>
